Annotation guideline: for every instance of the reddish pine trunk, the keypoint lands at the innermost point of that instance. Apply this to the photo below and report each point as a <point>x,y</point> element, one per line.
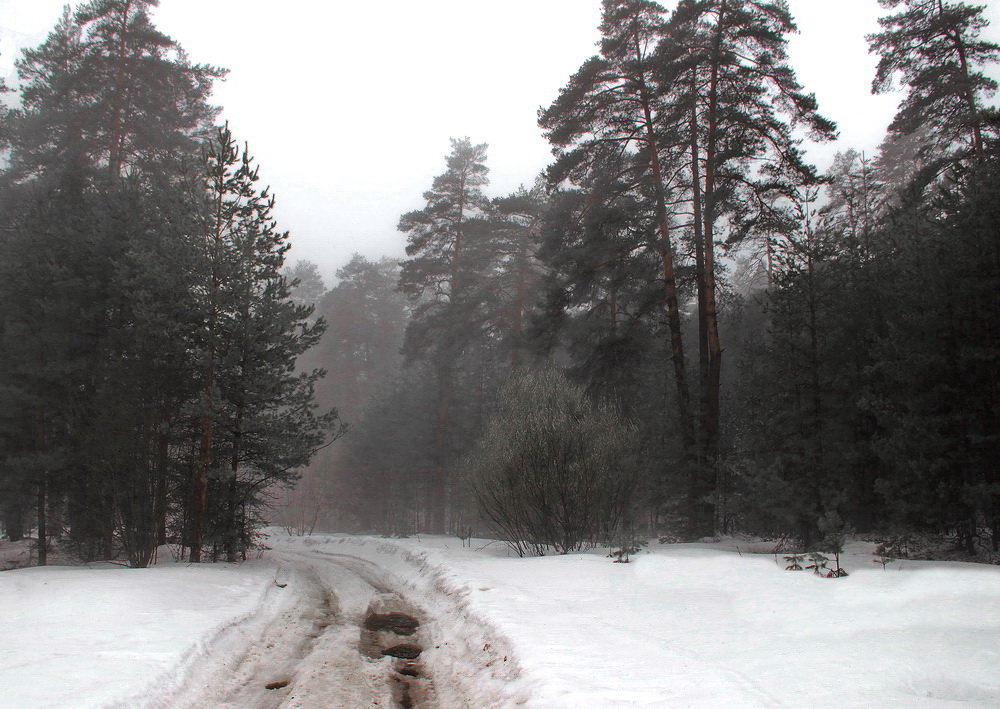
<point>669,283</point>
<point>117,140</point>
<point>702,520</point>
<point>199,485</point>
<point>700,486</point>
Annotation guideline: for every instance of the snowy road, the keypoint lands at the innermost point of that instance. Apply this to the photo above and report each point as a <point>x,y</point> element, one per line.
<point>698,625</point>
<point>341,630</point>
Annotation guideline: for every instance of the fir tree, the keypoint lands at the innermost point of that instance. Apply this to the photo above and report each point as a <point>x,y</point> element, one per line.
<point>258,423</point>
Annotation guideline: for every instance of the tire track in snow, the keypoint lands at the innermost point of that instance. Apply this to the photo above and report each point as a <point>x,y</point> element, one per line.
<point>470,662</point>
<point>309,637</point>
<point>304,642</point>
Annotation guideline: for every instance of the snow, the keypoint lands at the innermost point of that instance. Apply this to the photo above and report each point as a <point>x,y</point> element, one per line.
<point>707,626</point>
<point>703,625</point>
<point>90,637</point>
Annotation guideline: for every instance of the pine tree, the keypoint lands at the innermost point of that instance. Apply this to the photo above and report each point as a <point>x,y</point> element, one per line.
<point>513,285</point>
<point>146,377</point>
<point>365,319</point>
<point>444,265</point>
<point>934,47</point>
<point>725,63</point>
<point>51,319</point>
<point>691,119</point>
<point>609,137</point>
<point>365,316</point>
<point>306,282</point>
<point>108,91</point>
<point>3,115</point>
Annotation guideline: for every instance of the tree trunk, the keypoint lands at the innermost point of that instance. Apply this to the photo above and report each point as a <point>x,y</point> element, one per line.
<point>234,531</point>
<point>520,299</point>
<point>43,535</point>
<point>42,493</point>
<point>437,485</point>
<point>970,97</point>
<point>701,515</point>
<point>703,519</point>
<point>669,285</point>
<point>117,138</point>
<point>13,520</point>
<point>160,490</point>
<point>199,489</point>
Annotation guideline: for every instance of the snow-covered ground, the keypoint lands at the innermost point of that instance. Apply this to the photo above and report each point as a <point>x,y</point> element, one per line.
<point>94,637</point>
<point>706,625</point>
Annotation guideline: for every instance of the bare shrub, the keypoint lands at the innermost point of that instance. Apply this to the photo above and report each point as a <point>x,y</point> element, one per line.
<point>552,469</point>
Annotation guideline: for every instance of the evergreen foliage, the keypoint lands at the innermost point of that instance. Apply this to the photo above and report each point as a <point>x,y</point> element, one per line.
<point>933,47</point>
<point>161,367</point>
<point>147,336</point>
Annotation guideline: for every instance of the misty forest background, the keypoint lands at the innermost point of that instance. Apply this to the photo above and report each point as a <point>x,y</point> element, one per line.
<point>682,328</point>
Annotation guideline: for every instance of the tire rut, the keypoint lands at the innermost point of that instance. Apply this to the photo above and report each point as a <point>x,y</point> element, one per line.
<point>257,668</point>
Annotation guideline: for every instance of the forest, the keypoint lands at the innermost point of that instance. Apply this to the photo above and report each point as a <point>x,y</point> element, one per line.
<point>680,329</point>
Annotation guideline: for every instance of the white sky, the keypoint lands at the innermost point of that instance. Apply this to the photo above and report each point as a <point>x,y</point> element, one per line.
<point>348,105</point>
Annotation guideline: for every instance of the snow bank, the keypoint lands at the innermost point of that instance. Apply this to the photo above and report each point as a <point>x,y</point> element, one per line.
<point>96,637</point>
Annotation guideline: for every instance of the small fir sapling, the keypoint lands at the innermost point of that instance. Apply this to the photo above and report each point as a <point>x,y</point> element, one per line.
<point>835,535</point>
<point>624,543</point>
<point>795,562</point>
<point>818,565</point>
<point>882,555</point>
<point>888,550</point>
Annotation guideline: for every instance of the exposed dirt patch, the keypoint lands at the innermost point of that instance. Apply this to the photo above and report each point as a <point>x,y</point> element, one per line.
<point>388,620</point>
<point>405,651</point>
<point>394,622</point>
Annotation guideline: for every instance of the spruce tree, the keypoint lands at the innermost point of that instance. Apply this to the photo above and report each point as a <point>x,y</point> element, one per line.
<point>258,423</point>
<point>934,391</point>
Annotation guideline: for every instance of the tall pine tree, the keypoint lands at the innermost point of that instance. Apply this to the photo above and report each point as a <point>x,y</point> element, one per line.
<point>440,277</point>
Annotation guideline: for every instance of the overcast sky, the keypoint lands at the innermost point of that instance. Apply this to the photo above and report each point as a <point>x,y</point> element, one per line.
<point>348,105</point>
